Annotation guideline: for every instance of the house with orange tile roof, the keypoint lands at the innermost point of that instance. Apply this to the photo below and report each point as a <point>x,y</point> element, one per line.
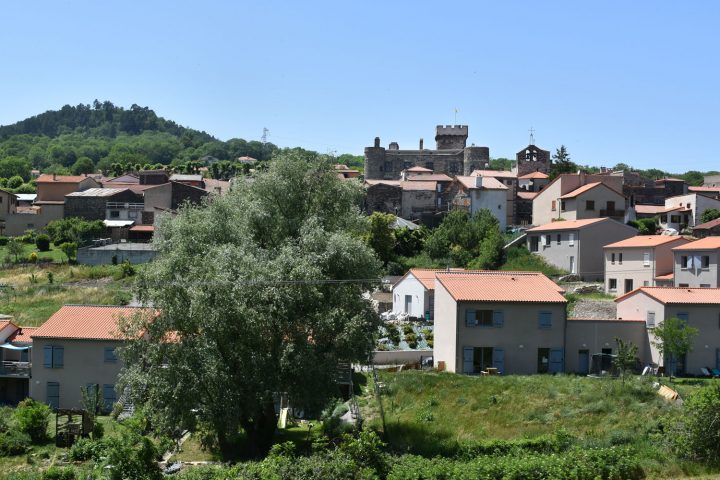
<point>689,209</point>
<point>414,293</point>
<point>77,349</point>
<point>707,229</point>
<point>533,182</point>
<point>512,321</point>
<point>474,193</point>
<point>15,361</point>
<point>579,196</point>
<point>638,261</point>
<point>576,246</point>
<point>510,180</point>
<point>696,263</point>
<point>699,307</point>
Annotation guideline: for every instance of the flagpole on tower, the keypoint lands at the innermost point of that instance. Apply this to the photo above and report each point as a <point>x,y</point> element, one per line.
<point>456,110</point>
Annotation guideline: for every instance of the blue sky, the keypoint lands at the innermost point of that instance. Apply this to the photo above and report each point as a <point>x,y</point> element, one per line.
<point>615,81</point>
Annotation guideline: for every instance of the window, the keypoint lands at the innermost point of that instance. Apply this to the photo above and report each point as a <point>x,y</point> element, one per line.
<point>684,316</point>
<point>52,394</point>
<point>612,284</point>
<point>482,359</point>
<point>571,239</point>
<point>387,167</point>
<point>559,238</point>
<point>684,261</point>
<point>498,318</point>
<point>53,356</point>
<point>705,261</point>
<point>612,258</point>
<point>562,205</point>
<point>590,205</point>
<point>479,318</point>
<point>650,319</point>
<point>553,206</point>
<point>114,214</point>
<point>108,397</point>
<point>646,259</point>
<point>620,258</point>
<point>110,356</point>
<point>610,206</point>
<point>545,319</point>
<point>674,218</point>
<point>683,285</point>
<point>646,283</point>
<point>543,360</point>
<point>704,285</point>
<point>548,240</point>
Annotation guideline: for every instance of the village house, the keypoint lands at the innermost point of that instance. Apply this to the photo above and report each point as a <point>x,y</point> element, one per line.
<point>510,180</point>
<point>579,196</point>
<point>513,322</point>
<point>576,246</point>
<point>533,182</point>
<point>638,261</point>
<point>475,193</point>
<point>707,229</point>
<point>689,209</point>
<point>78,350</point>
<point>414,293</point>
<point>15,361</point>
<point>698,307</point>
<point>696,263</point>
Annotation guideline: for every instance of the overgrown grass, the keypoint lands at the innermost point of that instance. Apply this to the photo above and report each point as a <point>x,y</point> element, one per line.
<point>520,259</point>
<point>430,414</point>
<point>27,294</point>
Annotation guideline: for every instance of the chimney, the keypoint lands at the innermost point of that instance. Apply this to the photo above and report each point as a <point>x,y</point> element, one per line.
<point>478,181</point>
<point>377,142</point>
<point>421,144</point>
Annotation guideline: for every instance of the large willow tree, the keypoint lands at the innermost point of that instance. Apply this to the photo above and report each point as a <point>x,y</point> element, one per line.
<point>258,292</point>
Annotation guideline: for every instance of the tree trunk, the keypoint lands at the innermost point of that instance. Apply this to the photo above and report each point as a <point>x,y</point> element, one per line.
<point>260,430</point>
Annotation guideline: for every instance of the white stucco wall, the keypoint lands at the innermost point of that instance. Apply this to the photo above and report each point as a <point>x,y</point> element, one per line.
<point>410,285</point>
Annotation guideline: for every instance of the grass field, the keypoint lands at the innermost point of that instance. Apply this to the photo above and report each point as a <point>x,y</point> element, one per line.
<point>27,294</point>
<point>54,254</point>
<point>433,413</point>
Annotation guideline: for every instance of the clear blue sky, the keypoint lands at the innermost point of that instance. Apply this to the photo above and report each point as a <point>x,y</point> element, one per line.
<point>614,81</point>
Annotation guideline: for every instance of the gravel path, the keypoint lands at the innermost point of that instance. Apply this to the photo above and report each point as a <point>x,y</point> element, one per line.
<point>600,309</point>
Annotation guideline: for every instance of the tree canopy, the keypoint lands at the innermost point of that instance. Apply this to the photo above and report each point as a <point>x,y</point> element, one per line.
<point>258,292</point>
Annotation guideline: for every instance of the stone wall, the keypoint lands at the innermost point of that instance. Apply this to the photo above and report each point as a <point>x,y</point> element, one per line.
<point>532,159</point>
<point>384,198</point>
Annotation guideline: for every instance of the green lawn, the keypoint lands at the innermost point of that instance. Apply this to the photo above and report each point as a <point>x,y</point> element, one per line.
<point>27,294</point>
<point>55,254</point>
<point>434,413</point>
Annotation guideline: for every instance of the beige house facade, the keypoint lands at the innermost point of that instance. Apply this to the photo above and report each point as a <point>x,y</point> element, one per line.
<point>588,337</point>
<point>696,264</point>
<point>511,321</point>
<point>699,307</point>
<point>576,246</point>
<point>638,261</point>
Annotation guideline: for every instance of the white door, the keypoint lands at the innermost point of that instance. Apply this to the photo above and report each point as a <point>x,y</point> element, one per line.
<point>408,303</point>
<point>572,264</point>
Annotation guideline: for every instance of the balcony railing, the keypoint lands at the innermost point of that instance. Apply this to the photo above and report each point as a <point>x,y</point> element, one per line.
<point>15,369</point>
<point>612,213</point>
<point>123,205</point>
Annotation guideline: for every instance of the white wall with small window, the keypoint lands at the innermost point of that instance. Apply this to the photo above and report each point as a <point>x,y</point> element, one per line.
<point>412,298</point>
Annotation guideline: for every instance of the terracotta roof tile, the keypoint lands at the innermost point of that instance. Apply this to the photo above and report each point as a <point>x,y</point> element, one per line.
<point>86,322</point>
<point>667,276</point>
<point>533,175</point>
<point>527,195</point>
<point>488,183</point>
<point>392,183</point>
<point>426,276</point>
<point>419,169</point>
<point>48,178</point>
<point>646,241</point>
<point>22,335</point>
<point>142,228</point>
<point>501,286</point>
<point>436,177</point>
<point>678,295</point>
<point>707,225</point>
<point>707,243</point>
<point>493,173</point>
<point>588,187</point>
<point>651,209</point>
<point>418,185</point>
<point>567,224</point>
<point>704,189</point>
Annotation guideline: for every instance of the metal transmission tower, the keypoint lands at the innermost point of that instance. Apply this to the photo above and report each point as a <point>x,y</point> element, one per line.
<point>263,139</point>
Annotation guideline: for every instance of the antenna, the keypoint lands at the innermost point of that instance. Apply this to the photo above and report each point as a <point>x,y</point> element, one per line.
<point>456,110</point>
<point>263,139</point>
<point>532,137</point>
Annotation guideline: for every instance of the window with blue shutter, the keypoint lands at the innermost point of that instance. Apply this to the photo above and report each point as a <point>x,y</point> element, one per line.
<point>498,318</point>
<point>684,316</point>
<point>545,319</point>
<point>498,359</point>
<point>47,356</point>
<point>468,367</point>
<point>110,356</point>
<point>470,318</point>
<point>52,393</point>
<point>58,357</point>
<point>108,397</point>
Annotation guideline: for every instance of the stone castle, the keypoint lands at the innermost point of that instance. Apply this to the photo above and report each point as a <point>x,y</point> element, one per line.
<point>451,156</point>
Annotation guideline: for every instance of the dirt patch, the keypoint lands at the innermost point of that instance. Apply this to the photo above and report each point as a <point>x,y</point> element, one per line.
<point>90,282</point>
<point>596,309</point>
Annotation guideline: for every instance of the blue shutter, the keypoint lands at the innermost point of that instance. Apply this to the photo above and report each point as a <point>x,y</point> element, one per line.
<point>468,360</point>
<point>58,357</point>
<point>47,356</point>
<point>498,318</point>
<point>110,355</point>
<point>717,358</point>
<point>499,359</point>
<point>108,396</point>
<point>557,360</point>
<point>52,392</point>
<point>684,316</point>
<point>470,318</point>
<point>545,319</point>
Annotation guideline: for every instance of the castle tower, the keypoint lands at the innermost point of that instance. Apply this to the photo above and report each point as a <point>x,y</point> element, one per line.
<point>475,158</point>
<point>375,160</point>
<point>451,137</point>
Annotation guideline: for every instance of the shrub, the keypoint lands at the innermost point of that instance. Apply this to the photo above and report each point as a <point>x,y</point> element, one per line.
<point>411,340</point>
<point>86,449</point>
<point>694,432</point>
<point>132,458</point>
<point>4,241</point>
<point>42,242</point>
<point>14,442</point>
<point>393,333</point>
<point>127,269</point>
<point>33,257</point>
<point>32,418</point>
<point>59,473</point>
<point>15,182</point>
<point>366,449</point>
<point>407,329</point>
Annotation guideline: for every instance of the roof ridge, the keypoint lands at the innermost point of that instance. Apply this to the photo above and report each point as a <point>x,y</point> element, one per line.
<point>101,305</point>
